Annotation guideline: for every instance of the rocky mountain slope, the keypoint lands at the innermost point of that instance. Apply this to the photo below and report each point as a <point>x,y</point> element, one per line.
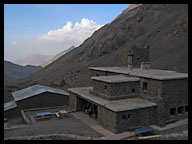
<point>57,56</point>
<point>164,27</point>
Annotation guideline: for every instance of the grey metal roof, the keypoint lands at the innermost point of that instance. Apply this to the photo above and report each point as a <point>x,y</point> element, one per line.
<point>9,105</point>
<point>115,79</point>
<point>117,105</point>
<point>35,90</point>
<point>150,73</point>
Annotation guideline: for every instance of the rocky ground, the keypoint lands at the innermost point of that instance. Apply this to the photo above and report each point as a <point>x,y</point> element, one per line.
<point>177,133</point>
<point>66,128</point>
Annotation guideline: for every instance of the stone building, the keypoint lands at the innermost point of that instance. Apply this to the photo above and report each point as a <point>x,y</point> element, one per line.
<point>138,53</point>
<point>36,96</point>
<point>125,98</point>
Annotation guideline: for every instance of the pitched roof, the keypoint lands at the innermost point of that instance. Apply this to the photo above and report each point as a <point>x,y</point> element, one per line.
<point>10,105</point>
<point>35,90</point>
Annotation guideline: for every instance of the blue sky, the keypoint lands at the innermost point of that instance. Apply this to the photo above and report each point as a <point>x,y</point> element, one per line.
<point>24,23</point>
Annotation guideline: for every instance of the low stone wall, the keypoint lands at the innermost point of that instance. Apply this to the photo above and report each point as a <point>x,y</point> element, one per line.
<point>25,118</point>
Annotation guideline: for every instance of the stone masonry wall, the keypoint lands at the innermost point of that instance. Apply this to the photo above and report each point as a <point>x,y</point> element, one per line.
<point>132,119</point>
<point>166,94</point>
<point>154,94</point>
<point>74,101</point>
<point>107,118</point>
<point>175,95</point>
<point>93,73</point>
<point>126,120</point>
<point>112,91</point>
<point>140,54</point>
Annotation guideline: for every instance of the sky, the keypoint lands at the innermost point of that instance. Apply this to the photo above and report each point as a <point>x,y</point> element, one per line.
<point>48,29</point>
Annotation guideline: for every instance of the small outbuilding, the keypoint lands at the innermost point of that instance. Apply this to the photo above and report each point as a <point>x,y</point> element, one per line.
<point>36,96</point>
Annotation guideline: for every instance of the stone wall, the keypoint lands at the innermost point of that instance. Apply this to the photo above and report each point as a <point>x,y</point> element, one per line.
<point>132,119</point>
<point>46,99</point>
<point>154,89</point>
<point>166,94</point>
<point>114,91</point>
<point>140,54</point>
<point>74,101</point>
<point>93,73</point>
<point>175,95</point>
<point>107,118</point>
<point>118,122</point>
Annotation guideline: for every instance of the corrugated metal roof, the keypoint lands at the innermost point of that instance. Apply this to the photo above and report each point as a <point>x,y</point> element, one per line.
<point>35,90</point>
<point>9,105</point>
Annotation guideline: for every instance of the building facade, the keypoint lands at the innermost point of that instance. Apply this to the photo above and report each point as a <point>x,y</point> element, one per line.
<point>125,98</point>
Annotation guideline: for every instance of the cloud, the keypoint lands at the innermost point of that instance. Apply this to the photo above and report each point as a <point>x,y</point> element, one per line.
<point>54,41</point>
<point>14,43</point>
<point>74,35</point>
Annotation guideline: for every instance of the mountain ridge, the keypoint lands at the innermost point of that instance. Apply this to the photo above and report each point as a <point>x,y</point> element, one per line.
<point>57,56</point>
<point>15,71</point>
<point>33,59</point>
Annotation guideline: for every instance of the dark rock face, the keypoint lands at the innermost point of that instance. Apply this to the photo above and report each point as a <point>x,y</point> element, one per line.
<point>164,27</point>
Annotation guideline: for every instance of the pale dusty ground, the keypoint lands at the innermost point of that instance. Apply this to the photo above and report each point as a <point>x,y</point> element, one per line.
<point>67,125</point>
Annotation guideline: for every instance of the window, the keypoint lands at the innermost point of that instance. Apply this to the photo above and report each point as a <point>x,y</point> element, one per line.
<point>180,110</point>
<point>124,117</point>
<point>173,111</point>
<point>186,108</point>
<point>144,86</point>
<point>138,58</point>
<point>132,90</point>
<point>97,74</point>
<point>105,87</point>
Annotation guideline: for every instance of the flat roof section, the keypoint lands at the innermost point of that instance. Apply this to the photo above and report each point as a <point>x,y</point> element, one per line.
<point>115,79</point>
<point>117,105</point>
<point>150,73</point>
<point>35,90</point>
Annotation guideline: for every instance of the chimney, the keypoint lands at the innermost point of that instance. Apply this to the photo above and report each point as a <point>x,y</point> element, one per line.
<point>130,61</point>
<point>145,65</point>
